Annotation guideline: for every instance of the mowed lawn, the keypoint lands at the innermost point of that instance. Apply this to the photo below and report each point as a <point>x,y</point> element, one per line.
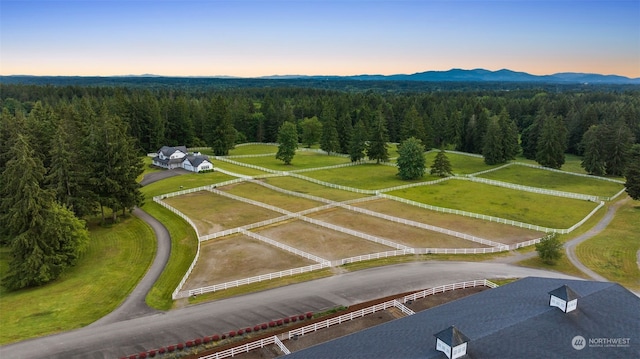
<point>116,259</point>
<point>269,196</point>
<point>613,252</point>
<point>540,178</point>
<point>312,189</point>
<point>213,213</point>
<point>253,149</point>
<point>365,176</point>
<point>182,182</point>
<point>238,257</point>
<point>461,164</point>
<point>537,209</point>
<point>301,160</point>
<point>242,170</point>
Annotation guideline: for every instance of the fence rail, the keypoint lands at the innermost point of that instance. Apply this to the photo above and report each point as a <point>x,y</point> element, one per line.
<point>260,278</point>
<point>244,348</point>
<point>284,247</point>
<point>448,287</point>
<point>536,190</point>
<point>567,172</point>
<point>366,257</point>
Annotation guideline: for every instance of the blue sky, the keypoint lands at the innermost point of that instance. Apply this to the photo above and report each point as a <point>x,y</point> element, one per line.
<point>254,38</point>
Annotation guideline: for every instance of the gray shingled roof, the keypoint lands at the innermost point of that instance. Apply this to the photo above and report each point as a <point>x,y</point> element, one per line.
<point>452,336</point>
<point>168,151</point>
<point>196,160</point>
<point>512,321</point>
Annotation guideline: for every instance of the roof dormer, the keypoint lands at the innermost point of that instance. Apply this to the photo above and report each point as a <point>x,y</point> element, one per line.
<point>452,342</point>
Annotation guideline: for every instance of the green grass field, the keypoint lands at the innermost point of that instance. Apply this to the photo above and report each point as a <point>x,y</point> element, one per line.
<point>242,170</point>
<point>542,210</point>
<point>365,176</point>
<point>254,149</point>
<point>540,178</point>
<point>461,164</point>
<point>186,181</point>
<point>312,189</point>
<point>613,252</point>
<point>265,195</point>
<point>301,160</point>
<point>116,259</point>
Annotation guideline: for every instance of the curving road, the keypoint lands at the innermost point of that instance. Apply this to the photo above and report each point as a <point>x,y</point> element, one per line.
<point>134,327</point>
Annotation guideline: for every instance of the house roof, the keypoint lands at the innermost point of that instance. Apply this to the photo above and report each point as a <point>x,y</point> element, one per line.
<point>452,336</point>
<point>565,293</point>
<point>511,321</point>
<point>196,160</point>
<point>168,151</point>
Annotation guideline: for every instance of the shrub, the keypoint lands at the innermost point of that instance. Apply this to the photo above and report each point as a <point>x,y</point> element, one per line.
<point>549,249</point>
<point>197,341</point>
<point>142,355</point>
<point>133,356</point>
<point>224,336</point>
<point>162,350</point>
<point>240,331</point>
<point>171,348</point>
<point>263,326</point>
<point>294,318</point>
<point>206,340</point>
<point>152,353</point>
<point>180,346</point>
<point>286,320</point>
<point>247,330</point>
<point>215,338</point>
<point>272,324</point>
<point>301,317</point>
<point>232,334</point>
<point>309,315</point>
<point>189,343</point>
<point>279,322</point>
<point>256,328</point>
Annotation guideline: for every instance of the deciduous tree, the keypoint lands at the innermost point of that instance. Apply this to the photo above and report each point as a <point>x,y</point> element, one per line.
<point>550,248</point>
<point>411,162</point>
<point>288,142</point>
<point>311,130</point>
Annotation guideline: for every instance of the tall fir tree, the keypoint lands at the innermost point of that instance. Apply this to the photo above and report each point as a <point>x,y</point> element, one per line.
<point>329,141</point>
<point>552,143</point>
<point>632,173</point>
<point>493,150</point>
<point>441,165</point>
<point>412,125</point>
<point>593,160</point>
<point>358,143</point>
<point>509,132</point>
<point>377,148</point>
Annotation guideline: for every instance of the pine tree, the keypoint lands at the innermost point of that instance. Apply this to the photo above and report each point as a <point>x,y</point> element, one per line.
<point>493,150</point>
<point>378,148</point>
<point>412,125</point>
<point>288,142</point>
<point>411,162</point>
<point>222,134</point>
<point>552,143</point>
<point>329,141</point>
<point>358,143</point>
<point>632,173</point>
<point>618,140</point>
<point>509,132</point>
<point>593,161</point>
<point>441,165</point>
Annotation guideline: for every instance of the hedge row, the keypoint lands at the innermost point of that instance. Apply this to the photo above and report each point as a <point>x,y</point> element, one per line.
<point>214,338</point>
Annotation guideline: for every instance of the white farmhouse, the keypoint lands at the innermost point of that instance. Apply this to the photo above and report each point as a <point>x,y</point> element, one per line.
<point>178,157</point>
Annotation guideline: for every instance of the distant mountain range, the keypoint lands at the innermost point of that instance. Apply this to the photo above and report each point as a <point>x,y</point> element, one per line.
<point>482,75</point>
<point>451,76</point>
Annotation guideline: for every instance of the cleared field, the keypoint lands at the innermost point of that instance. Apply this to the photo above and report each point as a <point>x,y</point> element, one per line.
<point>540,178</point>
<point>365,176</point>
<point>322,242</point>
<point>396,232</point>
<point>461,164</point>
<point>213,213</point>
<point>302,160</point>
<point>613,252</point>
<point>542,210</point>
<point>312,189</point>
<point>185,181</point>
<point>265,195</point>
<point>254,149</point>
<point>484,229</point>
<point>238,169</point>
<point>239,257</point>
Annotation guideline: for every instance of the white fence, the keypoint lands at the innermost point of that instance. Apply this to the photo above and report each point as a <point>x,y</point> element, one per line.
<point>518,187</point>
<point>567,172</point>
<point>260,278</point>
<point>331,185</point>
<point>414,185</point>
<point>448,287</point>
<point>245,348</point>
<point>366,257</point>
<point>284,247</point>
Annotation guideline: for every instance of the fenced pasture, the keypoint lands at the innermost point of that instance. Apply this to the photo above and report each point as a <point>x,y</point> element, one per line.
<point>313,189</point>
<point>461,164</point>
<point>213,213</point>
<point>543,210</point>
<point>403,234</point>
<point>301,160</point>
<point>367,176</point>
<point>558,181</point>
<point>320,241</point>
<point>184,181</point>
<point>489,230</point>
<point>242,170</point>
<point>238,257</point>
<point>253,149</point>
<point>262,194</point>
